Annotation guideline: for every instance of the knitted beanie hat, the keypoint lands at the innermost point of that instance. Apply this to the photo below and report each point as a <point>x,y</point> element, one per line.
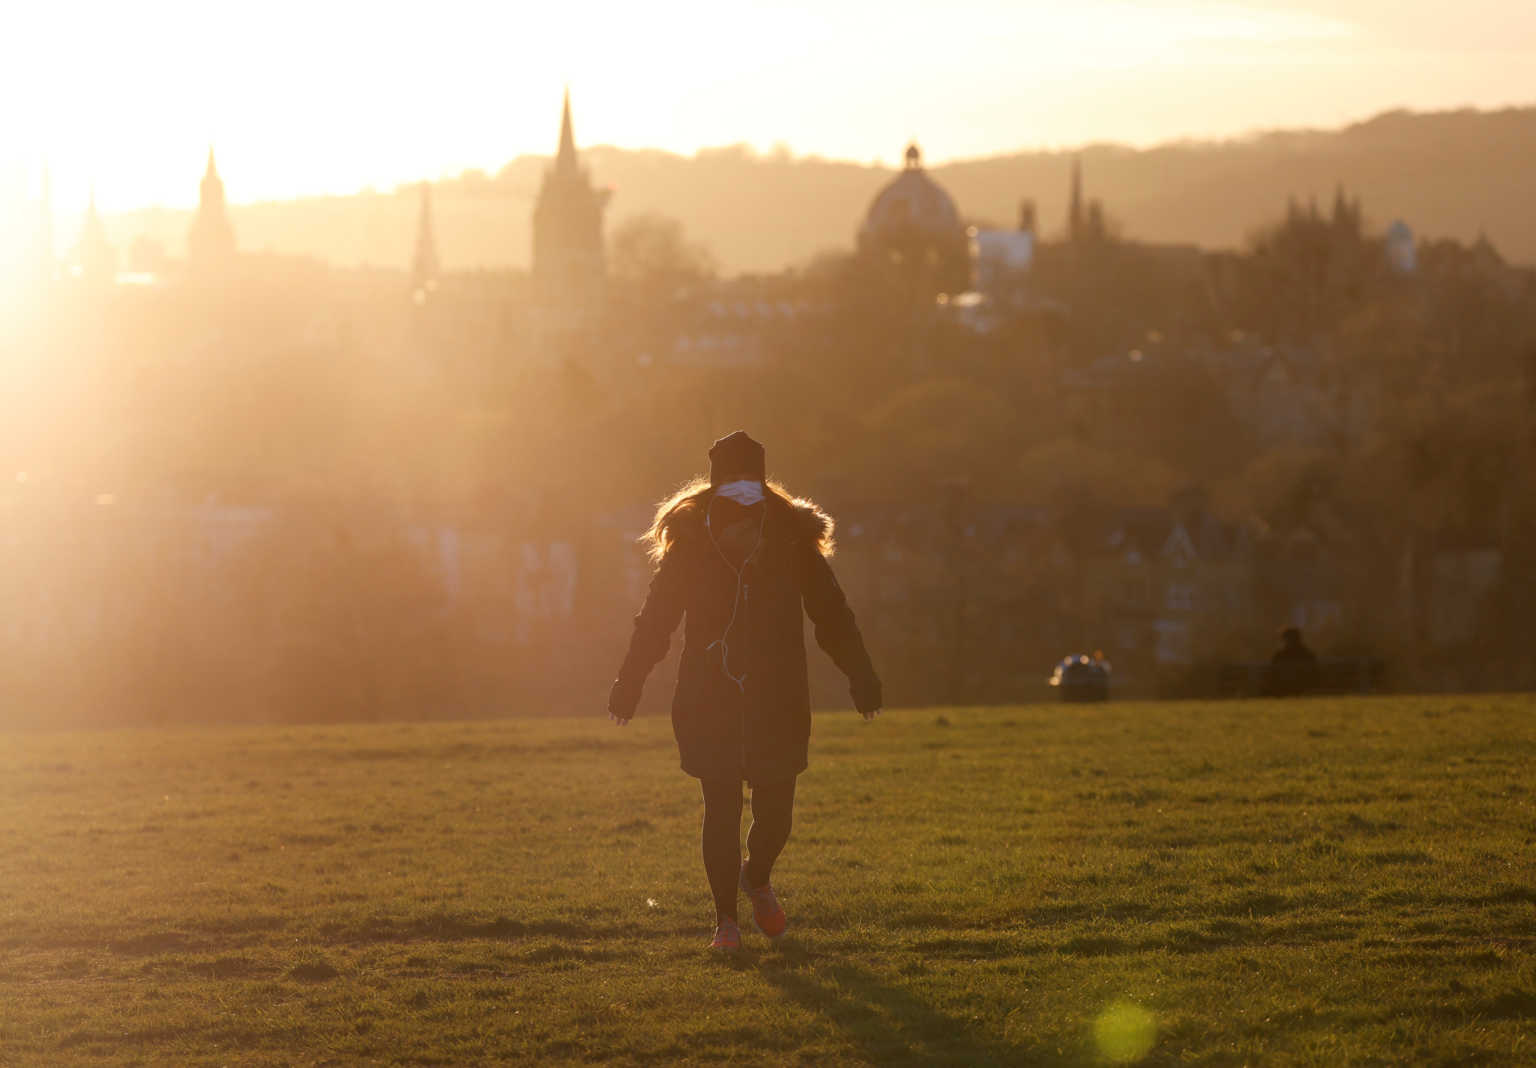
<point>736,454</point>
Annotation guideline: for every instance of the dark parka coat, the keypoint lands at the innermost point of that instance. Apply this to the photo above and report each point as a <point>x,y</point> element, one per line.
<point>758,730</point>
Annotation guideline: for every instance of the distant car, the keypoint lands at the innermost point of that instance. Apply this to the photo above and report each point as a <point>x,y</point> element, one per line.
<point>1080,678</point>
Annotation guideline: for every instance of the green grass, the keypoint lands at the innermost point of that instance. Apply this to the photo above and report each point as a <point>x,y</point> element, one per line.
<point>1318,882</point>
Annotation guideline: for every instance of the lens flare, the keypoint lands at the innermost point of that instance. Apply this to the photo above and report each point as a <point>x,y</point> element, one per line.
<point>1124,1033</point>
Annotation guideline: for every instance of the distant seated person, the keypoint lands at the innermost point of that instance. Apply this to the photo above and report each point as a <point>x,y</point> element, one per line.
<point>1293,669</point>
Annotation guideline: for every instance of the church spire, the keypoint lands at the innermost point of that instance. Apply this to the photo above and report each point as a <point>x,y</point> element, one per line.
<point>424,264</point>
<point>569,263</point>
<point>211,240</point>
<point>211,189</point>
<point>1075,212</point>
<point>565,159</point>
<point>96,257</point>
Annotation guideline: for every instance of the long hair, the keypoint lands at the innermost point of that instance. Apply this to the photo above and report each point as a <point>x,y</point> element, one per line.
<point>690,500</point>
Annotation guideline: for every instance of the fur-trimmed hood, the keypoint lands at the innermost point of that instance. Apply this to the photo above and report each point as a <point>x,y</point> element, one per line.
<point>810,520</point>
<point>681,518</point>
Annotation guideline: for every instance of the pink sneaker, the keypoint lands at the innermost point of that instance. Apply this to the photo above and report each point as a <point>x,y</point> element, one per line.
<point>727,937</point>
<point>767,915</point>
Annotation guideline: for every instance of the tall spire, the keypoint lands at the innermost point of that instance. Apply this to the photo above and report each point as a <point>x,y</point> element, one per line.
<point>211,240</point>
<point>565,159</point>
<point>211,189</point>
<point>424,264</point>
<point>569,262</point>
<point>96,257</point>
<point>1075,212</point>
<point>1340,207</point>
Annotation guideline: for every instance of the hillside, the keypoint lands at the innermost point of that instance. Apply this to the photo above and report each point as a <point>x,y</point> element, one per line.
<point>1449,174</point>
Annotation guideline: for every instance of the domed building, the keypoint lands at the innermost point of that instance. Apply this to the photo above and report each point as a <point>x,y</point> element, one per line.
<point>914,228</point>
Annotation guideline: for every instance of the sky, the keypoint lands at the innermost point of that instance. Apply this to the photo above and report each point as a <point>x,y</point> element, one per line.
<point>331,96</point>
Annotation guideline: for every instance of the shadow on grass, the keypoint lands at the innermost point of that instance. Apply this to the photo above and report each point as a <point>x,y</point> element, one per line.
<point>890,1024</point>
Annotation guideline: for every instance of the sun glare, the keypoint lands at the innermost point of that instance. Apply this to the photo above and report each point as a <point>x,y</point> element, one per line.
<point>332,98</point>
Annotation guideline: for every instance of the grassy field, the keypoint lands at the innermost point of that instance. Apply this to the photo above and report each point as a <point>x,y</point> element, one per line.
<point>1318,882</point>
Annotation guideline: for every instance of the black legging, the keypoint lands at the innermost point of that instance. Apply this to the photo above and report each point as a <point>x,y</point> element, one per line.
<point>772,810</point>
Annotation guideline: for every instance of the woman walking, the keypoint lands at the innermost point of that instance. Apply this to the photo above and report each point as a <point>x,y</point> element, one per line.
<point>738,557</point>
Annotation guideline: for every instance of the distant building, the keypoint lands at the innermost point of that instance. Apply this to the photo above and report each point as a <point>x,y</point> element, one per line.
<point>734,327</point>
<point>1402,253</point>
<point>1164,579</point>
<point>95,258</point>
<point>147,259</point>
<point>211,240</point>
<point>569,263</point>
<point>1075,201</point>
<point>424,262</point>
<point>1348,216</point>
<point>1281,395</point>
<point>1001,257</point>
<point>1086,224</point>
<point>1462,583</point>
<point>1304,577</point>
<point>913,229</point>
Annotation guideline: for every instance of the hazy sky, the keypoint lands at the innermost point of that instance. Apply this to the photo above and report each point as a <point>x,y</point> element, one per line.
<point>334,95</point>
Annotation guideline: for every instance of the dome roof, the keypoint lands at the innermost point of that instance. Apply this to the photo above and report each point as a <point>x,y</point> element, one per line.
<point>912,200</point>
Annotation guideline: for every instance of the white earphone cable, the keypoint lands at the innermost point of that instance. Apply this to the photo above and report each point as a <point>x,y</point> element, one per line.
<point>724,640</point>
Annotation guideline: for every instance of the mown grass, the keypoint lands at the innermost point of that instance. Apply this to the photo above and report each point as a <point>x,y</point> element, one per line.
<point>1316,882</point>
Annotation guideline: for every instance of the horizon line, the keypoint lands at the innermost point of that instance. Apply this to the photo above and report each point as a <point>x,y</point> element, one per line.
<point>878,165</point>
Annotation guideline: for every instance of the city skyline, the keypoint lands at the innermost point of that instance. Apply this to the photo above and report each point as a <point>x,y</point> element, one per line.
<point>338,99</point>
